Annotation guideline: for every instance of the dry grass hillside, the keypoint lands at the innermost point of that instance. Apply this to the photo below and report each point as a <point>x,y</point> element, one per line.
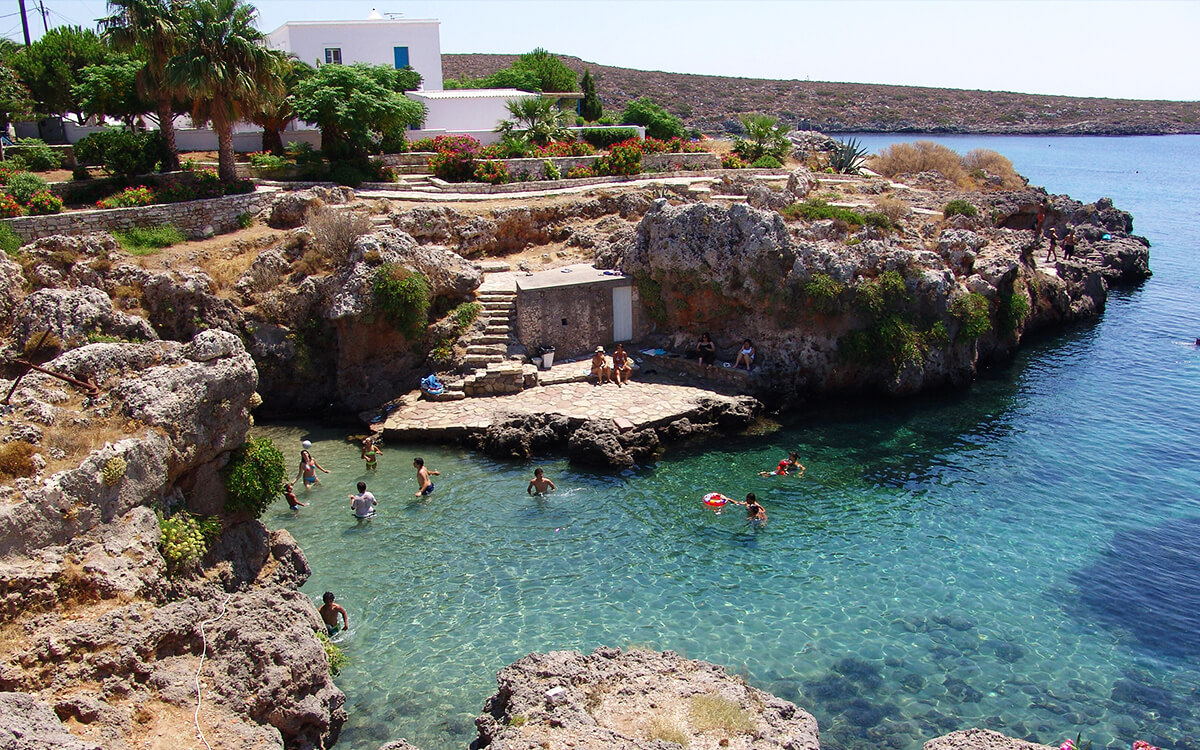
<point>712,103</point>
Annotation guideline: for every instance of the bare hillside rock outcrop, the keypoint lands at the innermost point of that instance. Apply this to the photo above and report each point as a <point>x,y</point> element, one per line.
<point>73,314</point>
<point>632,699</point>
<point>981,739</point>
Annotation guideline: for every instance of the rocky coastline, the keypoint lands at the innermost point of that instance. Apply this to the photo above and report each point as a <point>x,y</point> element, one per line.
<point>105,641</point>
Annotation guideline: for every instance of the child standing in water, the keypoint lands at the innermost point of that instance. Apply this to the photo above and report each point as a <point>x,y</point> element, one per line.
<point>290,495</point>
<point>756,515</point>
<point>329,613</point>
<point>424,483</point>
<point>539,485</point>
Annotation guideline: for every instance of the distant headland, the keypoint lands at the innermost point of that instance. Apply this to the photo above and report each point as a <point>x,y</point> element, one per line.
<point>711,104</point>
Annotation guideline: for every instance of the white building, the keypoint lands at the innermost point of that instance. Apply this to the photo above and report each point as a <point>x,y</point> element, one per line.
<point>376,41</point>
<point>474,112</point>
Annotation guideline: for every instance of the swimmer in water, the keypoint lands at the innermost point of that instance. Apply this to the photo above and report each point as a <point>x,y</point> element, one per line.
<point>785,467</point>
<point>424,483</point>
<point>539,485</point>
<point>756,515</point>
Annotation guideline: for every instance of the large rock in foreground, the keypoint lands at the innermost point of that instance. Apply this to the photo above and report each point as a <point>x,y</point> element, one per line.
<point>981,739</point>
<point>635,699</point>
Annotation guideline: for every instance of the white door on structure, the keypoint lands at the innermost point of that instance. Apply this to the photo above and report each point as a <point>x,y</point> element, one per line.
<point>622,313</point>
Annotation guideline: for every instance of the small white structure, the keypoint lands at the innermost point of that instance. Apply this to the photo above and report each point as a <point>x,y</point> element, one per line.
<point>474,112</point>
<point>376,41</point>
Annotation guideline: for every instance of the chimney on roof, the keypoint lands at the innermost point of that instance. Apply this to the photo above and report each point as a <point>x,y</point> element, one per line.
<point>375,16</point>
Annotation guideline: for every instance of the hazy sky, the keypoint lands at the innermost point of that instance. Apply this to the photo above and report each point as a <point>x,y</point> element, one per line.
<point>1140,49</point>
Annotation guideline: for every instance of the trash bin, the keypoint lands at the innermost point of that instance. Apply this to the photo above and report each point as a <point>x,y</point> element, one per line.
<point>547,357</point>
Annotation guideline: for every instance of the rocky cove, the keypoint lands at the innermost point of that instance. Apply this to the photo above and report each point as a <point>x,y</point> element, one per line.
<point>102,640</point>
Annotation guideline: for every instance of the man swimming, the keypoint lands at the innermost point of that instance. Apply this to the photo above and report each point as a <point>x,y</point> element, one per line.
<point>539,485</point>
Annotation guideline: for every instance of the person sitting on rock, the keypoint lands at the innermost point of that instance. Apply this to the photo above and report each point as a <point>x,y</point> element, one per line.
<point>600,366</point>
<point>706,350</point>
<point>621,369</point>
<point>745,356</point>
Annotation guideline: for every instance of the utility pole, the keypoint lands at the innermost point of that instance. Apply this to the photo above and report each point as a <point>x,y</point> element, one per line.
<point>25,24</point>
<point>45,25</point>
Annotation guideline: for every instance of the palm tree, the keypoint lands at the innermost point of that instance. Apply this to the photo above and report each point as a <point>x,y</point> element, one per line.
<point>273,113</point>
<point>148,29</point>
<point>534,120</point>
<point>224,68</point>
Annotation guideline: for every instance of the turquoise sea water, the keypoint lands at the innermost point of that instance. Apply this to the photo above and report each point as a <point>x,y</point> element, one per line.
<point>1024,555</point>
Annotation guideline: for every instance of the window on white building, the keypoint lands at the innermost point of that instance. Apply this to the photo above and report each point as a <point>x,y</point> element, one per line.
<point>333,55</point>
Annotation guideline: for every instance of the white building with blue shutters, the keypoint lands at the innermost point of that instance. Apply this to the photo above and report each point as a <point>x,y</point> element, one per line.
<point>399,42</point>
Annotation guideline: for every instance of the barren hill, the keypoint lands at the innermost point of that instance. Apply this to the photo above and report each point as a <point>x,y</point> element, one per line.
<point>712,103</point>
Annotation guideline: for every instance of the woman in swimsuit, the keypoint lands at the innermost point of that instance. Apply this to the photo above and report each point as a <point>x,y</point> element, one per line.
<point>621,368</point>
<point>369,452</point>
<point>746,355</point>
<point>308,469</point>
<point>706,350</point>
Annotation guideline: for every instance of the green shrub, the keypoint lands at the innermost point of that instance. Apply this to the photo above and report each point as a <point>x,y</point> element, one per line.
<point>815,210</point>
<point>659,123</point>
<point>345,173</point>
<point>886,292</point>
<point>766,162</point>
<point>255,476</point>
<point>464,315</point>
<point>1011,312</point>
<point>550,170</point>
<point>123,153</point>
<point>38,157</point>
<point>604,137</point>
<point>44,202</point>
<point>959,207</point>
<point>732,161</point>
<point>334,654</point>
<point>22,186</point>
<point>184,538</point>
<point>16,459</point>
<point>9,207</point>
<point>824,293</point>
<point>937,336</point>
<point>10,241</point>
<point>113,470</point>
<point>576,173</point>
<point>650,293</point>
<point>148,240</point>
<point>264,160</point>
<point>245,220</point>
<point>847,157</point>
<point>403,296</point>
<point>973,315</point>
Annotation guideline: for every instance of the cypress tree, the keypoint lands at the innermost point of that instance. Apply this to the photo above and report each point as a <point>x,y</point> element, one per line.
<point>590,108</point>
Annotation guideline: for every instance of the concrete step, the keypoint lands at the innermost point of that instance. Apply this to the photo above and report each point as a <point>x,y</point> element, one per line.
<point>500,349</point>
<point>490,340</point>
<point>496,331</point>
<point>496,294</point>
<point>480,360</point>
<point>497,304</point>
<point>492,266</point>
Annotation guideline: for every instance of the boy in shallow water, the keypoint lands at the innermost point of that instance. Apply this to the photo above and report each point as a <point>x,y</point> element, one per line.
<point>756,515</point>
<point>424,483</point>
<point>539,485</point>
<point>329,613</point>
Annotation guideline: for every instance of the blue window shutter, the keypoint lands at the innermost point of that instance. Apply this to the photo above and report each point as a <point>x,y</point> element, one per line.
<point>401,57</point>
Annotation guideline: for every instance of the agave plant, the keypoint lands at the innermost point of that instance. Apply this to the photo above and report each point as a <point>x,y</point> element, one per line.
<point>847,157</point>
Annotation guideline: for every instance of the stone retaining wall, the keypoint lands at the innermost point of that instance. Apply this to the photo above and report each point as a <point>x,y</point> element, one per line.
<point>196,219</point>
<point>718,373</point>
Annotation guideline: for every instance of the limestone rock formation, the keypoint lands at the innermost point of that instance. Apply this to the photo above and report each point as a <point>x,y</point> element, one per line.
<point>598,442</point>
<point>71,315</point>
<point>29,724</point>
<point>523,436</point>
<point>292,208</point>
<point>634,700</point>
<point>980,739</point>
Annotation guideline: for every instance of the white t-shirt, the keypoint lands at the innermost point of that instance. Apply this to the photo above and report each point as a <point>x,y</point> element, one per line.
<point>364,504</point>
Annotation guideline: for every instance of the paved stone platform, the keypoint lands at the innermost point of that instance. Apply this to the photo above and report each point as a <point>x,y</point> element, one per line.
<point>643,404</point>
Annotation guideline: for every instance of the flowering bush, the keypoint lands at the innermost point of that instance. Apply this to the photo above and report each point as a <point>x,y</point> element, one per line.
<point>240,186</point>
<point>463,144</point>
<point>564,148</point>
<point>9,206</point>
<point>578,172</point>
<point>494,172</point>
<point>732,161</point>
<point>455,157</point>
<point>6,173</point>
<point>134,196</point>
<point>621,160</point>
<point>208,184</point>
<point>176,192</point>
<point>45,202</point>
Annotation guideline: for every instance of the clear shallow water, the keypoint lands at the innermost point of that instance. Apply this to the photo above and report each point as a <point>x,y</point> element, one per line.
<point>1023,556</point>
